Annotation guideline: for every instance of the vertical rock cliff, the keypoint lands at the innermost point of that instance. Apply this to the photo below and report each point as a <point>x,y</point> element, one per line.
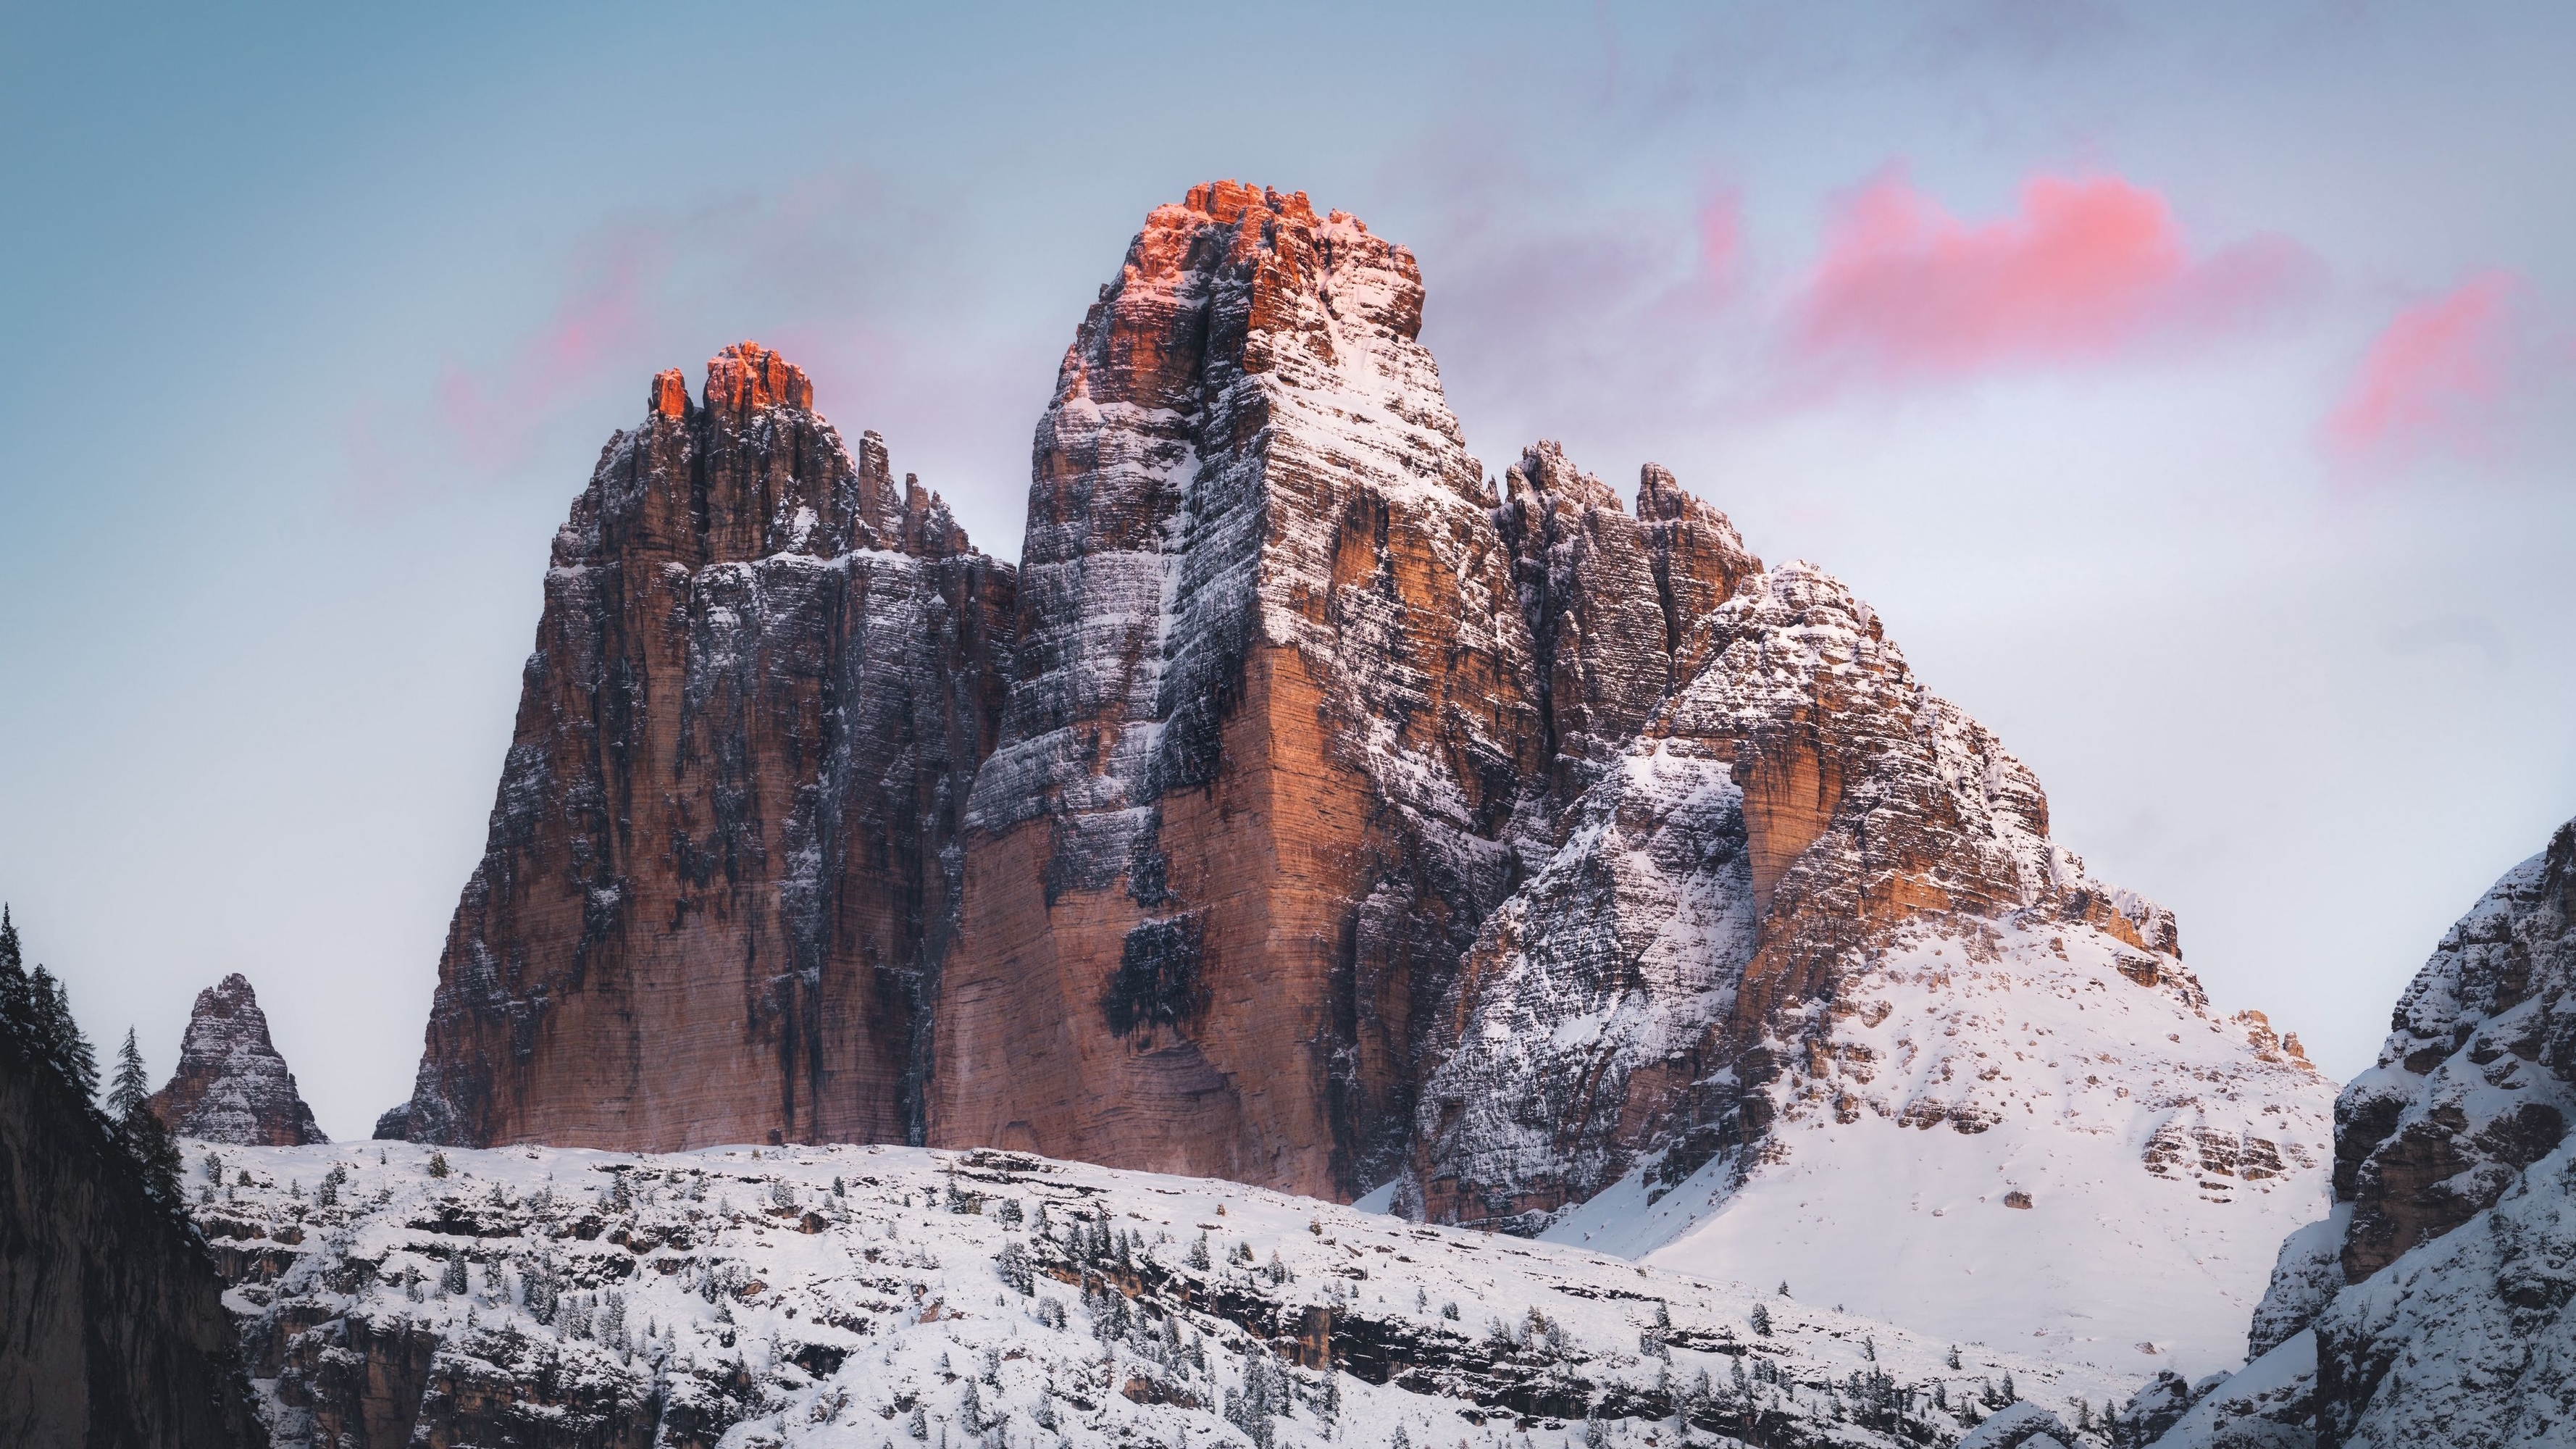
<point>231,1085</point>
<point>1268,724</point>
<point>722,867</point>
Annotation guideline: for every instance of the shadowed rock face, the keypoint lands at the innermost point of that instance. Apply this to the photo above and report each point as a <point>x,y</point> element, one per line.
<point>231,1085</point>
<point>721,873</point>
<point>112,1321</point>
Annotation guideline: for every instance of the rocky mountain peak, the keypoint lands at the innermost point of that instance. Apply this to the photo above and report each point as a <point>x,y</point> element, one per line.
<point>670,395</point>
<point>231,1085</point>
<point>747,378</point>
<point>720,871</point>
<point>2435,1303</point>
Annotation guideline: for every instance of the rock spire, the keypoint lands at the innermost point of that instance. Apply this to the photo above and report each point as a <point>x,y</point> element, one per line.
<point>231,1085</point>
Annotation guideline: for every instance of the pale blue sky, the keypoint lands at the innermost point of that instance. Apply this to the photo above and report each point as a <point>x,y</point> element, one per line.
<point>317,319</point>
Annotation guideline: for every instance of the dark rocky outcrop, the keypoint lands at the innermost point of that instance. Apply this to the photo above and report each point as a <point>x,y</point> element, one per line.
<point>231,1085</point>
<point>113,1333</point>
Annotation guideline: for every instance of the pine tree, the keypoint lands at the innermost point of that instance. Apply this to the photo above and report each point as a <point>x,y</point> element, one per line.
<point>1762,1319</point>
<point>17,1011</point>
<point>59,1042</point>
<point>150,1144</point>
<point>125,1097</point>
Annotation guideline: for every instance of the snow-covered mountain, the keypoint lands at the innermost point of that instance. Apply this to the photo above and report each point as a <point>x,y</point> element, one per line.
<point>1314,810</point>
<point>874,1296</point>
<point>231,1085</point>
<point>1809,984</point>
<point>2430,1306</point>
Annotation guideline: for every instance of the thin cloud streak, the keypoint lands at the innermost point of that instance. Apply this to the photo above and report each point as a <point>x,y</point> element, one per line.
<point>2432,380</point>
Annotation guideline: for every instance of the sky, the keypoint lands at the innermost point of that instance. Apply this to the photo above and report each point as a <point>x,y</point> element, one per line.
<point>2187,386</point>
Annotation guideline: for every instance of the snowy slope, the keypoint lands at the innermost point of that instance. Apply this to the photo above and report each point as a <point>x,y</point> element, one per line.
<point>2162,1152</point>
<point>543,1296</point>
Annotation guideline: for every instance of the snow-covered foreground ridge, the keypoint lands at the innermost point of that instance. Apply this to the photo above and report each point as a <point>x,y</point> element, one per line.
<point>880,1296</point>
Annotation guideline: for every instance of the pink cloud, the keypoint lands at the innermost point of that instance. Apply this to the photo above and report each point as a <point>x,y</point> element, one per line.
<point>2089,268</point>
<point>2432,378</point>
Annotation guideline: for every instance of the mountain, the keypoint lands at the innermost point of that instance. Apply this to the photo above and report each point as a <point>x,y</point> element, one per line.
<point>1310,811</point>
<point>833,1296</point>
<point>1809,983</point>
<point>721,870</point>
<point>2431,1305</point>
<point>231,1085</point>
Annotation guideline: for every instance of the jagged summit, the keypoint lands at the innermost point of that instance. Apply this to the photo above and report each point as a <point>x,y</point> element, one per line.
<point>231,1085</point>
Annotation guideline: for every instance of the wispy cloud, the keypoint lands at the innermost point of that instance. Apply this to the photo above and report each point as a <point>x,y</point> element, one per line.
<point>2433,379</point>
<point>2088,268</point>
<point>832,268</point>
<point>492,413</point>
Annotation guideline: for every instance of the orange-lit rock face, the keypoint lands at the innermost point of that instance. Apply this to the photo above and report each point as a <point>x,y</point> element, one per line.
<point>719,870</point>
<point>670,397</point>
<point>1269,721</point>
<point>748,378</point>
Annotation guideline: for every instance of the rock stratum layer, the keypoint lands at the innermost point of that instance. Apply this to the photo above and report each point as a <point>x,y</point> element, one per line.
<point>231,1085</point>
<point>1307,809</point>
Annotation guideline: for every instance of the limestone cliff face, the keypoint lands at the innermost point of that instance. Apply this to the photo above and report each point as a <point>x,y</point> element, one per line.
<point>231,1085</point>
<point>1269,721</point>
<point>722,869</point>
<point>1608,599</point>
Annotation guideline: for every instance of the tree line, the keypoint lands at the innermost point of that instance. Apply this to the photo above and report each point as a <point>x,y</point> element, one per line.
<point>37,1029</point>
